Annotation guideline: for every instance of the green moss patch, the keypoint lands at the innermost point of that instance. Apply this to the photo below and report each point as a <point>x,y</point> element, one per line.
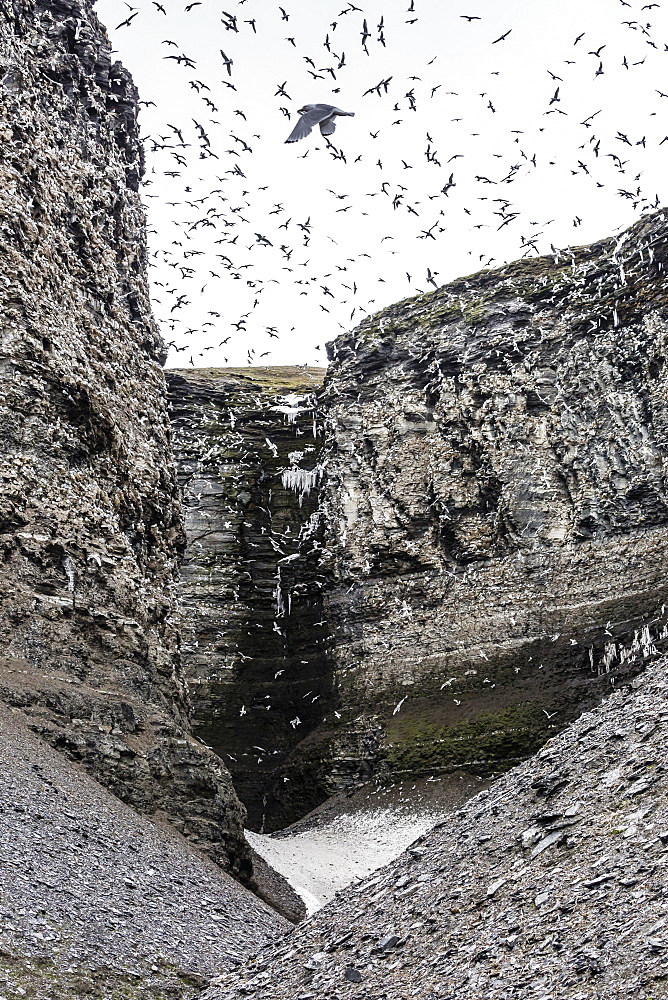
<point>277,379</point>
<point>493,741</point>
<point>41,979</point>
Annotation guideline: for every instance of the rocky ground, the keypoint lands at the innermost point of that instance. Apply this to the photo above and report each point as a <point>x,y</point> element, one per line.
<point>550,885</point>
<point>96,900</point>
<point>355,833</point>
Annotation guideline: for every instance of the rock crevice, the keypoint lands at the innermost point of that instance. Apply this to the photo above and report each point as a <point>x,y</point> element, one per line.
<point>248,448</point>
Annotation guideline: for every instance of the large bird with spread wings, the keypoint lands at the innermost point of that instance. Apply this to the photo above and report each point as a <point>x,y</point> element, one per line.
<point>316,114</point>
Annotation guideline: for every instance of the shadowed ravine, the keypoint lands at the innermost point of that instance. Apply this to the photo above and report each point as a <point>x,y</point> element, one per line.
<point>256,643</point>
<point>478,553</point>
<point>421,593</point>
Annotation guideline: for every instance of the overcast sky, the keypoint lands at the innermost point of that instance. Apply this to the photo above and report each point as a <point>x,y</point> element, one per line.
<point>480,149</point>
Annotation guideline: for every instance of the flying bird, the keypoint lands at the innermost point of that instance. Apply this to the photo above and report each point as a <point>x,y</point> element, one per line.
<point>316,114</point>
<point>128,21</point>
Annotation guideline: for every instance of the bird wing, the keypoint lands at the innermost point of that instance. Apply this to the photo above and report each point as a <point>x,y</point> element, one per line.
<point>327,126</point>
<point>307,121</point>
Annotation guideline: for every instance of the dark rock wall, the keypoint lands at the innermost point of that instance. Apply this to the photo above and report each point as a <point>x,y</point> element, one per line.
<point>485,557</point>
<point>496,496</point>
<point>247,443</point>
<point>90,527</point>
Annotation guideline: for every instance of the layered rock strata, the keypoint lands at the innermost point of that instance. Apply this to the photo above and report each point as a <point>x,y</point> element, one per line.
<point>492,529</point>
<point>247,444</point>
<point>551,884</point>
<point>90,529</point>
<point>497,506</point>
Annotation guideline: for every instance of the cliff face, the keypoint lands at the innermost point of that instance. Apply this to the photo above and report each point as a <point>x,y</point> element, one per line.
<point>485,557</point>
<point>90,527</point>
<point>496,496</point>
<point>247,444</point>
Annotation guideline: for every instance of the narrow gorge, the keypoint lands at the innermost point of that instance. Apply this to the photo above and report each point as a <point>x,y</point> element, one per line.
<point>478,534</point>
<point>231,596</point>
<point>255,643</point>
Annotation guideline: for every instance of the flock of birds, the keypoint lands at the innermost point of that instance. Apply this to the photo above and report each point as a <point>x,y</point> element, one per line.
<point>234,238</point>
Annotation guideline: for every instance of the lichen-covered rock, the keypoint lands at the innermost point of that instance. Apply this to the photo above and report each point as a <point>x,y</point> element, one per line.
<point>90,529</point>
<point>496,495</point>
<point>247,443</point>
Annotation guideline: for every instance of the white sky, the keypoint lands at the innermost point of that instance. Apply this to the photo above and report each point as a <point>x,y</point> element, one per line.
<point>361,247</point>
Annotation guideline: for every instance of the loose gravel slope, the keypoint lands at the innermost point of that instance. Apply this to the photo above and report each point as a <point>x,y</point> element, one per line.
<point>551,885</point>
<point>96,900</point>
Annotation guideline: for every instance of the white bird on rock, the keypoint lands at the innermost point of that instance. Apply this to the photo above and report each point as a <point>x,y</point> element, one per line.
<point>316,114</point>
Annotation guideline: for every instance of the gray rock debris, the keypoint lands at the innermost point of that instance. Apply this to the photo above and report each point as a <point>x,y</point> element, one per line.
<point>90,524</point>
<point>97,900</point>
<point>480,913</point>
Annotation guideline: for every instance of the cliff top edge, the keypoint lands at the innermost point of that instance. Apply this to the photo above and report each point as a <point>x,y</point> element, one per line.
<point>272,379</point>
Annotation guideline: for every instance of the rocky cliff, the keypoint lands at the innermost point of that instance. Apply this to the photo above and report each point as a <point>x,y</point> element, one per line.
<point>248,446</point>
<point>90,528</point>
<point>496,500</point>
<point>492,529</point>
<point>484,559</point>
